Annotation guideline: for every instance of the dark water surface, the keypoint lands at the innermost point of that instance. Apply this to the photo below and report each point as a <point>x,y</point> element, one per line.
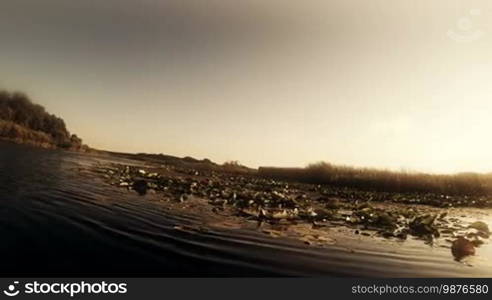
<point>55,222</point>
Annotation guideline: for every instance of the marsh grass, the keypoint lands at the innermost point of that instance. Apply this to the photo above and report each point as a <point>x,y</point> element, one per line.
<point>384,180</point>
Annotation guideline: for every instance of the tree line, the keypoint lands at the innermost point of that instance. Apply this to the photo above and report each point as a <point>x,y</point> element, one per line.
<point>18,109</point>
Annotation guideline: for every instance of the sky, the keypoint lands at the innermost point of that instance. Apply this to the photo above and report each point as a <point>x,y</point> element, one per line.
<point>391,84</point>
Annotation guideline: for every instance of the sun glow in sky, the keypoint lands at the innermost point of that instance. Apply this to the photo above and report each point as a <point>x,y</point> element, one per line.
<point>384,83</point>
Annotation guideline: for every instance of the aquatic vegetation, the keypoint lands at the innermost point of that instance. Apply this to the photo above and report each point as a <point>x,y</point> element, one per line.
<point>370,179</point>
<point>264,200</point>
<point>424,225</point>
<point>481,227</point>
<point>462,247</point>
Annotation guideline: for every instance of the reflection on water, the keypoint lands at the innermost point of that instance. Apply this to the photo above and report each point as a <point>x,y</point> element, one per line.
<point>55,222</point>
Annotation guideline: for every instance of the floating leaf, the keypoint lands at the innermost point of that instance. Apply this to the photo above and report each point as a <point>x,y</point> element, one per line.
<point>462,247</point>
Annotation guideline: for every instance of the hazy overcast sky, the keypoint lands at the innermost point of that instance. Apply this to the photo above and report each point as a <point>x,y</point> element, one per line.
<point>392,84</point>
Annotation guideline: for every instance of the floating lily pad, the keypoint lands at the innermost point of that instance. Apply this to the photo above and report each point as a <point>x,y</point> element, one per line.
<point>480,226</point>
<point>424,225</point>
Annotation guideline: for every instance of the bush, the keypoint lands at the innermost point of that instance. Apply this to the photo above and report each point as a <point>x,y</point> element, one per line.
<point>33,123</point>
<point>20,134</point>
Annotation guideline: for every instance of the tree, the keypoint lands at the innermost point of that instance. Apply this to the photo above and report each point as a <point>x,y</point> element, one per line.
<point>18,108</point>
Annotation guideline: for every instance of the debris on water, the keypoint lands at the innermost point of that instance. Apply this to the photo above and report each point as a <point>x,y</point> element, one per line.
<point>140,186</point>
<point>462,247</point>
<point>477,242</point>
<point>316,240</point>
<point>308,240</point>
<point>481,227</point>
<point>332,203</point>
<point>424,226</point>
<point>183,198</point>
<point>273,233</point>
<point>402,234</point>
<point>190,229</point>
<point>268,201</point>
